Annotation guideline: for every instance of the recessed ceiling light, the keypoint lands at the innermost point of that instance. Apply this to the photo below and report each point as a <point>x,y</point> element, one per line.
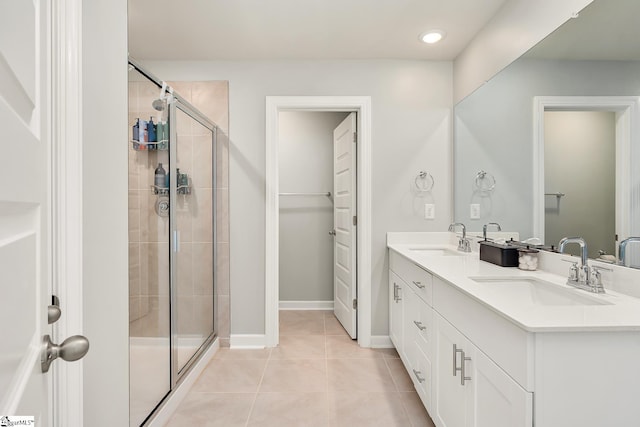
<point>432,36</point>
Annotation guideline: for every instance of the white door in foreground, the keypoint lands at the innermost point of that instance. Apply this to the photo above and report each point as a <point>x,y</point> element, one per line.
<point>25,237</point>
<point>344,211</point>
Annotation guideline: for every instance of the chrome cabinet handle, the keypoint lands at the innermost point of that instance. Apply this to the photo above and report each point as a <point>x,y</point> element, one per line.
<point>455,360</point>
<point>332,232</point>
<point>463,359</point>
<point>418,284</point>
<point>418,377</point>
<point>419,325</point>
<point>396,293</point>
<point>463,378</point>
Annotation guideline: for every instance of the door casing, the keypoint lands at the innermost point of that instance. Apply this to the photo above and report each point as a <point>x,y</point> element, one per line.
<point>627,109</point>
<point>362,106</point>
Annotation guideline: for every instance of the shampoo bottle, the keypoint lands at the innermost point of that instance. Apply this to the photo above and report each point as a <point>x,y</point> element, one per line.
<point>151,130</point>
<point>160,133</point>
<point>136,130</point>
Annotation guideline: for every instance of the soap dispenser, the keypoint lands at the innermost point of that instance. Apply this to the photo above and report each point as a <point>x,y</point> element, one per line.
<point>160,177</point>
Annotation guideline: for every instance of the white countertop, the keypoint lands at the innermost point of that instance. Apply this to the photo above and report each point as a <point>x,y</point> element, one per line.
<point>621,314</point>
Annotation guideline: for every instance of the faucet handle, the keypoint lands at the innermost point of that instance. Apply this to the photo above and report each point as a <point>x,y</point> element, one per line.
<point>596,278</point>
<point>573,270</point>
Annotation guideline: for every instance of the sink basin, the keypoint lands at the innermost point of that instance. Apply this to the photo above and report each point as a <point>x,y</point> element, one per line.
<point>437,251</point>
<point>533,291</point>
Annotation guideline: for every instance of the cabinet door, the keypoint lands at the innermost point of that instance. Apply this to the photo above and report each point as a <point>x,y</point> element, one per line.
<point>450,396</point>
<point>498,401</point>
<point>396,308</point>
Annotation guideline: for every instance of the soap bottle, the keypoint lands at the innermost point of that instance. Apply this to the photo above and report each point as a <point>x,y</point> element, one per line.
<point>143,135</point>
<point>151,130</point>
<point>160,133</point>
<point>136,131</point>
<point>160,177</point>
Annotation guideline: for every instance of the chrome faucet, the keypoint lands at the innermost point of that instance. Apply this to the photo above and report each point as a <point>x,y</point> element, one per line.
<point>582,277</point>
<point>484,229</point>
<point>622,252</point>
<point>463,243</point>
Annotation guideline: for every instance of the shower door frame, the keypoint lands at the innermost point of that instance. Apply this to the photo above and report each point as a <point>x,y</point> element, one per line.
<point>177,373</point>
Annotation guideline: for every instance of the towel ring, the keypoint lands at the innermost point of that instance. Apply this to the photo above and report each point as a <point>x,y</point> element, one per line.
<point>485,182</point>
<point>424,182</point>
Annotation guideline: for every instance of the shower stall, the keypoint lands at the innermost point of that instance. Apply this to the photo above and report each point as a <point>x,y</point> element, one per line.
<point>172,239</point>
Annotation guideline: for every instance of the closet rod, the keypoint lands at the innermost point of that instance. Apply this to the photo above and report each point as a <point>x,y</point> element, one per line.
<point>327,194</point>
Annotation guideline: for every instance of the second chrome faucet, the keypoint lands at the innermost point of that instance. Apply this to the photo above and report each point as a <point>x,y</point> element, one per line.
<point>463,243</point>
<point>583,277</point>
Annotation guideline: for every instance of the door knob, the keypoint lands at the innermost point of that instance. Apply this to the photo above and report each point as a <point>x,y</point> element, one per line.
<point>73,348</point>
<point>53,311</point>
<point>53,314</point>
<point>332,232</point>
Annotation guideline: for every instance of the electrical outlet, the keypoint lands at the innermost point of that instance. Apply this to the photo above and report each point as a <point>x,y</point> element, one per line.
<point>429,211</point>
<point>474,211</point>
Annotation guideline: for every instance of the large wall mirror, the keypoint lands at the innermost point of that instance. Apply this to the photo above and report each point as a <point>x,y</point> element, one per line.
<point>550,146</point>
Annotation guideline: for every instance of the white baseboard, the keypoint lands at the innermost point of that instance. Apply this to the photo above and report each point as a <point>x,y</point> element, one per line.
<point>247,341</point>
<point>170,405</point>
<point>306,305</point>
<point>381,341</point>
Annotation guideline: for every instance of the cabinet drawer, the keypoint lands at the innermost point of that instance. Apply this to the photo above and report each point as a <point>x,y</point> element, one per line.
<point>426,329</point>
<point>420,280</point>
<point>418,322</point>
<point>421,375</point>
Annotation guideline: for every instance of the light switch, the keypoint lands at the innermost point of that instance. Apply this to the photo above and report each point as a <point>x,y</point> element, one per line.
<point>474,211</point>
<point>429,211</point>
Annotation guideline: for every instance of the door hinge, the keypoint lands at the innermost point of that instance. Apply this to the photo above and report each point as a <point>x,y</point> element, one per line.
<point>355,137</point>
<point>355,304</point>
<point>355,220</point>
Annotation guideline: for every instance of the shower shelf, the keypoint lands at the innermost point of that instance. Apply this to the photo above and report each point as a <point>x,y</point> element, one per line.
<point>164,191</point>
<point>149,146</point>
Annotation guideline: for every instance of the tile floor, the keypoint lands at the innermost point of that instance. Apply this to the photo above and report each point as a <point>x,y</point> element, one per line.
<point>317,376</point>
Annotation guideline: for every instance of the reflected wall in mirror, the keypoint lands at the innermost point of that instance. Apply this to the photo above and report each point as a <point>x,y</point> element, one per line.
<point>496,131</point>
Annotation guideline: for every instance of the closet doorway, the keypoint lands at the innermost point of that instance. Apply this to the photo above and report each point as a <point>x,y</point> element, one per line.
<point>318,211</point>
<point>317,181</point>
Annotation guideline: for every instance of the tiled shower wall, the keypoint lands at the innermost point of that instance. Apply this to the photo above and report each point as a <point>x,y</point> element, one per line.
<point>148,233</point>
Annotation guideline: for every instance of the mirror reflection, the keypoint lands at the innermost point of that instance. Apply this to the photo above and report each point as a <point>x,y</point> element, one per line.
<point>557,131</point>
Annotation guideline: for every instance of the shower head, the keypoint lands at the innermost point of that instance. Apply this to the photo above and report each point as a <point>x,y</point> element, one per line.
<point>159,104</point>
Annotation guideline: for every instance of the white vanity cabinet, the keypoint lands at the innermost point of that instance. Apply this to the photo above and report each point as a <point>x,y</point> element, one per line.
<point>425,341</point>
<point>562,365</point>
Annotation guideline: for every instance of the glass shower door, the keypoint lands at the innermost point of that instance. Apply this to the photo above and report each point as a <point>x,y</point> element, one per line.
<point>192,186</point>
<point>149,305</point>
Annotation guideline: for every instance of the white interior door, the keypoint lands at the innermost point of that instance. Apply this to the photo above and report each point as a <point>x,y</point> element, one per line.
<point>25,266</point>
<point>344,215</point>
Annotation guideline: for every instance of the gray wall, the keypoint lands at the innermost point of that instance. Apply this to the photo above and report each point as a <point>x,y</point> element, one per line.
<point>580,161</point>
<point>305,143</point>
<point>494,132</point>
<point>411,131</point>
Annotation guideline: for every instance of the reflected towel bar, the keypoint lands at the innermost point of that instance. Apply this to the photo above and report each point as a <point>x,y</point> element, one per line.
<point>558,195</point>
<point>327,194</point>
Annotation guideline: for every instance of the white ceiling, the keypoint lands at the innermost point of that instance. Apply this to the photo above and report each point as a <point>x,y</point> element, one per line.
<point>302,29</point>
<point>605,30</point>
